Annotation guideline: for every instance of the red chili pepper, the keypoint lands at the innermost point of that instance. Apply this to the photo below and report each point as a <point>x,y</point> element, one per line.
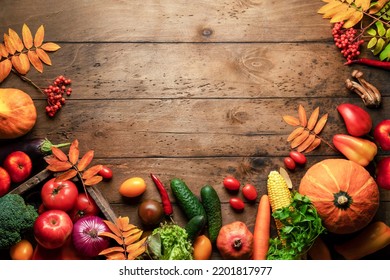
<point>370,62</point>
<point>168,210</point>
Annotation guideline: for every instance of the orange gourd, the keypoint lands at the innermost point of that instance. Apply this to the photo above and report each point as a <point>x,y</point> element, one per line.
<point>17,113</point>
<point>343,192</point>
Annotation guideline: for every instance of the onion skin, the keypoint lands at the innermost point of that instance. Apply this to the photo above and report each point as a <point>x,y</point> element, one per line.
<point>85,235</point>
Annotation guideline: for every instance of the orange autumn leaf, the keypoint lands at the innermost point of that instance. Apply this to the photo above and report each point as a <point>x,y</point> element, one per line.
<point>92,171</point>
<point>50,47</point>
<point>39,35</point>
<point>113,227</point>
<point>112,250</point>
<point>302,116</point>
<point>17,42</point>
<point>116,256</point>
<point>291,120</point>
<point>35,61</point>
<point>21,63</point>
<point>94,180</point>
<point>313,118</point>
<point>113,236</point>
<point>3,50</point>
<point>67,175</point>
<point>9,45</point>
<point>5,69</point>
<point>59,154</point>
<point>74,152</point>
<point>27,37</point>
<point>59,166</point>
<point>85,160</point>
<point>43,56</point>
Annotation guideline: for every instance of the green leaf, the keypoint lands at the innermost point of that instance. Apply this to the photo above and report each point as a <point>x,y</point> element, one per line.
<point>371,32</point>
<point>379,46</point>
<point>385,54</point>
<point>372,43</point>
<point>381,28</point>
<point>388,33</point>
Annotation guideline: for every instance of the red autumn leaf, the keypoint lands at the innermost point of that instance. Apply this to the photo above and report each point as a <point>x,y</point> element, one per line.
<point>74,152</point>
<point>85,160</point>
<point>59,154</point>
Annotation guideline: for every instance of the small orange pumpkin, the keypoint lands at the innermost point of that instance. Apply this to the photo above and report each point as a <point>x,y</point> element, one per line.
<point>17,113</point>
<point>343,192</point>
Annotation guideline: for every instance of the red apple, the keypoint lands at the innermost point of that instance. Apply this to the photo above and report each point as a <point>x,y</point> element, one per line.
<point>383,173</point>
<point>18,165</point>
<point>382,134</point>
<point>5,182</point>
<point>52,228</point>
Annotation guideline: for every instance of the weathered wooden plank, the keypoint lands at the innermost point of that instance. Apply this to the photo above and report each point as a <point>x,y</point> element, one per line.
<point>170,21</point>
<point>133,71</point>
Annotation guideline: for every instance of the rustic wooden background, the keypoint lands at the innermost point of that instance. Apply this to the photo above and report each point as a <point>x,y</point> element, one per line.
<point>190,89</point>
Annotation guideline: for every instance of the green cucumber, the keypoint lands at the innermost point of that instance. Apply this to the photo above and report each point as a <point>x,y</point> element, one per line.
<point>188,202</point>
<point>195,226</point>
<point>212,206</point>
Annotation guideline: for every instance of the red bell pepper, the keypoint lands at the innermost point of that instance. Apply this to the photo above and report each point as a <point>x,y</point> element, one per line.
<point>356,119</point>
<point>359,150</point>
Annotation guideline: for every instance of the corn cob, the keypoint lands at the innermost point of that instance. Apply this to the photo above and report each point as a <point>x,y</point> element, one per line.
<point>279,194</point>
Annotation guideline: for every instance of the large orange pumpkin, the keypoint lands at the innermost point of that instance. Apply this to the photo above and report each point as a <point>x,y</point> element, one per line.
<point>17,113</point>
<point>343,192</point>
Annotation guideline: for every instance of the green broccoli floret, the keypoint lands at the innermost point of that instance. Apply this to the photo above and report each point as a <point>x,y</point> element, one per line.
<point>15,218</point>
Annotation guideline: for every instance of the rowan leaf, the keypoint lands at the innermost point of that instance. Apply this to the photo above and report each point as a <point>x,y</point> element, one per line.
<point>27,37</point>
<point>17,42</point>
<point>136,245</point>
<point>342,15</point>
<point>355,18</point>
<point>313,145</point>
<point>291,120</point>
<point>67,175</point>
<point>5,69</point>
<point>113,227</point>
<point>9,45</point>
<point>313,118</point>
<point>92,171</point>
<point>74,152</point>
<point>122,222</point>
<point>377,6</point>
<point>58,153</point>
<point>309,140</point>
<point>3,50</point>
<point>94,180</point>
<point>112,236</point>
<point>132,255</point>
<point>112,250</point>
<point>21,63</point>
<point>320,124</point>
<point>85,160</point>
<point>59,166</point>
<point>302,116</point>
<point>116,256</point>
<point>39,36</point>
<point>35,61</point>
<point>43,56</point>
<point>300,139</point>
<point>295,133</point>
<point>363,4</point>
<point>50,47</point>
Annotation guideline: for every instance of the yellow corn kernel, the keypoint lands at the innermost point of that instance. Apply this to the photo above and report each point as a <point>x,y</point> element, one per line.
<point>278,192</point>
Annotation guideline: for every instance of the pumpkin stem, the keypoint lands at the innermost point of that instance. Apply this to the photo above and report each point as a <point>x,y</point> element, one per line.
<point>342,200</point>
<point>237,244</point>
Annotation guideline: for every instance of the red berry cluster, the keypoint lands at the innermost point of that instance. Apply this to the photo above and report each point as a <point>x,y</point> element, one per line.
<point>56,93</point>
<point>346,40</point>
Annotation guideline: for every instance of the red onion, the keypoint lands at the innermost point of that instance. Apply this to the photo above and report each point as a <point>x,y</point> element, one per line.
<point>86,237</point>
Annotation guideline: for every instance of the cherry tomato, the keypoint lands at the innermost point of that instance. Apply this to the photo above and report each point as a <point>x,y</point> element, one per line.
<point>249,191</point>
<point>132,187</point>
<point>23,250</point>
<point>289,163</point>
<point>59,195</point>
<point>237,203</point>
<point>84,206</point>
<point>105,172</point>
<point>298,157</point>
<point>202,248</point>
<point>231,183</point>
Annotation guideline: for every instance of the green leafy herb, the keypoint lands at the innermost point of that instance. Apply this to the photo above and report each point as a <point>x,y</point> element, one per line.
<point>301,226</point>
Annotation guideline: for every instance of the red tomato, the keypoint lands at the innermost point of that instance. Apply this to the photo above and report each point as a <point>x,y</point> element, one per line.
<point>249,191</point>
<point>105,172</point>
<point>298,157</point>
<point>19,166</point>
<point>84,206</point>
<point>52,228</point>
<point>237,204</point>
<point>289,163</point>
<point>231,183</point>
<point>61,195</point>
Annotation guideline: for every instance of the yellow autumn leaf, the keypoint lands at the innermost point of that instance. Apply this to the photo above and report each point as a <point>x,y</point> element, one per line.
<point>50,47</point>
<point>16,40</point>
<point>363,4</point>
<point>35,61</point>
<point>5,69</point>
<point>342,15</point>
<point>21,63</point>
<point>334,11</point>
<point>3,50</point>
<point>354,19</point>
<point>39,35</point>
<point>9,45</point>
<point>27,37</point>
<point>330,5</point>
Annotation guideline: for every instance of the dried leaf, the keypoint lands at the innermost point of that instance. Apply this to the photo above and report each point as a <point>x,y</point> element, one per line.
<point>313,145</point>
<point>50,47</point>
<point>300,139</point>
<point>132,238</point>
<point>122,223</point>
<point>85,160</point>
<point>39,35</point>
<point>9,45</point>
<point>92,171</point>
<point>116,256</point>
<point>67,175</point>
<point>43,56</point>
<point>133,230</point>
<point>342,15</point>
<point>363,4</point>
<point>5,69</point>
<point>353,20</point>
<point>378,6</point>
<point>302,116</point>
<point>329,6</point>
<point>51,159</point>
<point>113,227</point>
<point>291,120</point>
<point>27,37</point>
<point>74,152</point>
<point>59,166</point>
<point>3,50</point>
<point>134,254</point>
<point>21,63</point>
<point>59,154</point>
<point>313,118</point>
<point>35,61</point>
<point>113,236</point>
<point>112,250</point>
<point>93,180</point>
<point>309,140</point>
<point>136,245</point>
<point>17,42</point>
<point>295,133</point>
<point>320,124</point>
